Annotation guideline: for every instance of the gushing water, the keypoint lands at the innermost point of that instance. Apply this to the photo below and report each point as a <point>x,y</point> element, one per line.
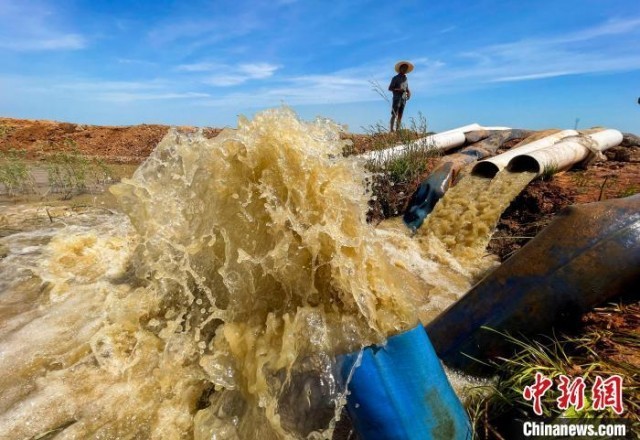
<point>215,308</point>
<point>466,217</point>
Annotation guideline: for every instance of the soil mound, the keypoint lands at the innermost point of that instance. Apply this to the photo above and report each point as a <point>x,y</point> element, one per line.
<point>117,144</point>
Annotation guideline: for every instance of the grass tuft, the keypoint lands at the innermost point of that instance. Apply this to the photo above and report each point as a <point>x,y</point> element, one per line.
<point>67,171</point>
<point>549,171</point>
<point>396,177</point>
<point>5,130</point>
<point>609,345</point>
<point>14,173</point>
<point>629,191</point>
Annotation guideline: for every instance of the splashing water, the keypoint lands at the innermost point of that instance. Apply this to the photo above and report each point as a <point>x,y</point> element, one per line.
<point>216,307</point>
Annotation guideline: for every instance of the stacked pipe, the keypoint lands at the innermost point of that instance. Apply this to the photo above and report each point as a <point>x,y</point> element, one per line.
<point>566,153</point>
<point>490,167</point>
<point>551,154</point>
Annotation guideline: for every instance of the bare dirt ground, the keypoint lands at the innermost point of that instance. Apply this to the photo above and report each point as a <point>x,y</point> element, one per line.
<point>124,144</point>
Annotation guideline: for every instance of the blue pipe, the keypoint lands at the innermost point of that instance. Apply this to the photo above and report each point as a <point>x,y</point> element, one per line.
<point>399,391</point>
<point>429,192</point>
<point>588,255</point>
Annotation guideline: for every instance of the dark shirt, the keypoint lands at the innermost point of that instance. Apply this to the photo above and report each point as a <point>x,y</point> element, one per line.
<point>399,82</point>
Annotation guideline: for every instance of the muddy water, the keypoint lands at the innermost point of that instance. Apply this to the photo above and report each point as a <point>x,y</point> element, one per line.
<point>466,217</point>
<point>211,306</point>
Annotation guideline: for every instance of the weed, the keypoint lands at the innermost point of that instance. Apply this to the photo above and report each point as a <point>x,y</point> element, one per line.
<point>376,87</point>
<point>608,181</point>
<point>67,171</point>
<point>14,173</point>
<point>602,350</point>
<point>397,171</point>
<point>629,191</point>
<point>5,130</point>
<point>102,172</point>
<point>549,170</point>
<point>580,179</point>
<point>70,172</point>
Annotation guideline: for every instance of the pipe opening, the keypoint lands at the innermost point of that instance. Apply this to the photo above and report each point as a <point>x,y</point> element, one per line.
<point>485,169</point>
<point>523,163</point>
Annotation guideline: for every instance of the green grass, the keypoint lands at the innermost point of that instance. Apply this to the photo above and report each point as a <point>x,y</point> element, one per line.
<point>69,172</point>
<point>629,191</point>
<point>580,179</point>
<point>14,173</point>
<point>599,351</point>
<point>102,172</point>
<point>549,171</point>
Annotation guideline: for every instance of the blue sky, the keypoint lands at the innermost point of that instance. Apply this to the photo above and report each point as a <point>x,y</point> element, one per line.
<point>530,64</point>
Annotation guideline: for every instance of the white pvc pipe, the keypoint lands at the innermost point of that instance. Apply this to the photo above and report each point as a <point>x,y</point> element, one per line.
<point>496,128</point>
<point>443,141</point>
<point>474,127</point>
<point>440,141</point>
<point>491,166</point>
<point>566,153</point>
<point>464,128</point>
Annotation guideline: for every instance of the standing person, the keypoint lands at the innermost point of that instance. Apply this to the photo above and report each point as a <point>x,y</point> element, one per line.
<point>401,93</point>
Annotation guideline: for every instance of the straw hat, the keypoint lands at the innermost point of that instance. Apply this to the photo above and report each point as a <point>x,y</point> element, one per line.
<point>400,63</point>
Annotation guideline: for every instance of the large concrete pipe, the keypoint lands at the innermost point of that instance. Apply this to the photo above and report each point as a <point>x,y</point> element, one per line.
<point>588,255</point>
<point>565,153</point>
<point>490,167</point>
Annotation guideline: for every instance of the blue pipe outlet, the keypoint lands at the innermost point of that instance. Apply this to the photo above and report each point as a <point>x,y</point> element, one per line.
<point>400,391</point>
